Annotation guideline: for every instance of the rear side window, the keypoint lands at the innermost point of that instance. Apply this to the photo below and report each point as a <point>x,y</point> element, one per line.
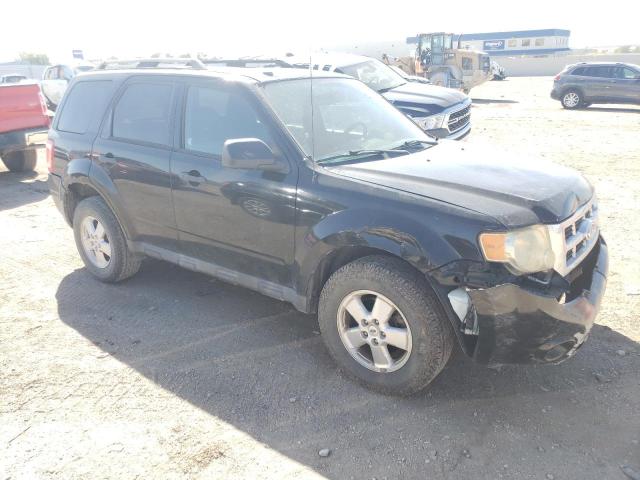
<point>84,106</point>
<point>578,71</point>
<point>143,113</point>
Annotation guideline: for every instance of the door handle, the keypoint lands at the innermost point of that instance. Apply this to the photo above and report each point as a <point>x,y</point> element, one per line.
<point>193,177</point>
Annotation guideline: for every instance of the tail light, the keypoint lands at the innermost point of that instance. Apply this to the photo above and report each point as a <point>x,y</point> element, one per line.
<point>50,149</point>
<point>556,78</point>
<point>45,109</point>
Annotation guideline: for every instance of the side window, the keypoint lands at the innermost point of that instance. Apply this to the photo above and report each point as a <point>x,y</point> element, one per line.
<point>467,63</point>
<point>526,42</point>
<point>215,114</point>
<point>143,113</point>
<point>512,43</point>
<point>84,106</point>
<point>579,71</point>
<point>627,73</point>
<point>539,42</point>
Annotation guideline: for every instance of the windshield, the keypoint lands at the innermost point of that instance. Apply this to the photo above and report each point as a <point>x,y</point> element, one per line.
<point>349,119</point>
<point>375,74</point>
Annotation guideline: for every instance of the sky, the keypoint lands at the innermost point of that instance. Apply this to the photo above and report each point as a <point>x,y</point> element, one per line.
<point>133,28</point>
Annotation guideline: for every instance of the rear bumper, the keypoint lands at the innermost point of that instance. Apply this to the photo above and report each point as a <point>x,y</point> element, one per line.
<point>23,140</point>
<point>57,191</point>
<point>516,325</point>
<point>555,94</point>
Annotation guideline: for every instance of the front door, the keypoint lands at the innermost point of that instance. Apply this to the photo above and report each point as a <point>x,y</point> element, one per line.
<point>627,85</point>
<point>238,219</point>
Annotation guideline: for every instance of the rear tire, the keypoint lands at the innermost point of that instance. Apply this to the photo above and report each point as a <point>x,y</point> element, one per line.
<point>21,161</point>
<point>571,99</point>
<point>101,242</point>
<point>416,314</point>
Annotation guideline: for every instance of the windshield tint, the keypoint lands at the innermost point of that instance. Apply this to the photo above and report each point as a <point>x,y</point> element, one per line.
<point>375,74</point>
<point>347,117</point>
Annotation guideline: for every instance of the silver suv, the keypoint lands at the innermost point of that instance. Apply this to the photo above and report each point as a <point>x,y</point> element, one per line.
<point>582,84</point>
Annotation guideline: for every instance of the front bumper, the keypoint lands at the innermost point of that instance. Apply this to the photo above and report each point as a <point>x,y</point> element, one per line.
<point>516,325</point>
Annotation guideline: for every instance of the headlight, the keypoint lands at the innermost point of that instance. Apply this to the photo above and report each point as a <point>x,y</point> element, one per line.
<point>430,123</point>
<point>527,250</point>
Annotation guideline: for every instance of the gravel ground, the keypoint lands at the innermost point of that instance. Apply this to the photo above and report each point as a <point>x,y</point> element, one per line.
<point>175,375</point>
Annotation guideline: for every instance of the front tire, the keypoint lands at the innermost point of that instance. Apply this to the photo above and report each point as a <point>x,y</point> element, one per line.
<point>21,161</point>
<point>101,242</point>
<point>571,99</point>
<point>384,326</point>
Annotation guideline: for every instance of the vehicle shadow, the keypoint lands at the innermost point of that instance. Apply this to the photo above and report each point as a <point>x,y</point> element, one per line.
<point>261,366</point>
<point>487,101</point>
<point>17,189</point>
<point>593,108</point>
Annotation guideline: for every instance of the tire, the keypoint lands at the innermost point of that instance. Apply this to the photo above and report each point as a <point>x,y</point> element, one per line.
<point>120,263</point>
<point>21,161</point>
<point>430,334</point>
<point>571,99</point>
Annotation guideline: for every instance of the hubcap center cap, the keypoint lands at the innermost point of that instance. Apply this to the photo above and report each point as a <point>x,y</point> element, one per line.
<point>373,331</point>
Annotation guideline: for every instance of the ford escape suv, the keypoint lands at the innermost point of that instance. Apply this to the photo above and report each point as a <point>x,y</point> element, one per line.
<point>331,199</point>
<point>583,84</point>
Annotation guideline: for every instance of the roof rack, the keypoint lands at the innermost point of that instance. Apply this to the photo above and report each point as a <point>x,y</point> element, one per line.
<point>247,62</point>
<point>192,63</point>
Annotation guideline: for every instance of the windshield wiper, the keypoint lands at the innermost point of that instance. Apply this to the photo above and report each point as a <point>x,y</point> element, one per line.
<point>411,144</point>
<point>353,154</point>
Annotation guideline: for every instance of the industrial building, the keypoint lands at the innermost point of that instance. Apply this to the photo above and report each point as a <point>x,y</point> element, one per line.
<point>523,42</point>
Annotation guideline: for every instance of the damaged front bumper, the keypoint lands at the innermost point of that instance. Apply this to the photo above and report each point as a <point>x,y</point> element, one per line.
<point>525,325</point>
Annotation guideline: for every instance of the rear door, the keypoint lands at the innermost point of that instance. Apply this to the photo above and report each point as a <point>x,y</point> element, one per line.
<point>598,85</point>
<point>239,219</point>
<point>134,152</point>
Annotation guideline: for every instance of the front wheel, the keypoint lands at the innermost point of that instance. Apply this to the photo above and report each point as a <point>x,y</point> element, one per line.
<point>571,99</point>
<point>383,325</point>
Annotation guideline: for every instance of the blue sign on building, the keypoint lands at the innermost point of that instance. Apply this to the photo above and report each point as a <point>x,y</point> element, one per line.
<point>77,54</point>
<point>489,45</point>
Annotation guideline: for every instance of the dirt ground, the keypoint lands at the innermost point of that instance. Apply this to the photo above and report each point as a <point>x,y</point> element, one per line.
<point>175,375</point>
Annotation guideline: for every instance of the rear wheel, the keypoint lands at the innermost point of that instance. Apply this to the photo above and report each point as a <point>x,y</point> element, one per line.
<point>571,99</point>
<point>384,326</point>
<point>101,242</point>
<point>21,161</point>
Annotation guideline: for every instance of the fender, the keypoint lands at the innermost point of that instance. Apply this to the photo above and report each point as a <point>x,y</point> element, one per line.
<point>82,171</point>
<point>383,230</point>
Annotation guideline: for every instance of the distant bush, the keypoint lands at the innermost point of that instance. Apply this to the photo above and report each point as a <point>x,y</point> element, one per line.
<point>34,58</point>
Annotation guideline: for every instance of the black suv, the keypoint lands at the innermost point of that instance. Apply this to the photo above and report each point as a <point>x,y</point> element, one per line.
<point>582,84</point>
<point>320,193</point>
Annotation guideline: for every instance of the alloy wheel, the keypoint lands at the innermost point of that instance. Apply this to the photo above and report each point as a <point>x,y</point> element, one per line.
<point>95,242</point>
<point>374,331</point>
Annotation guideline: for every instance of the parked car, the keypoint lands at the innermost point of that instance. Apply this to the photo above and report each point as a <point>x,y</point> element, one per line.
<point>443,112</point>
<point>583,84</point>
<point>12,78</point>
<point>55,80</point>
<point>23,125</point>
<point>402,244</point>
<point>499,73</point>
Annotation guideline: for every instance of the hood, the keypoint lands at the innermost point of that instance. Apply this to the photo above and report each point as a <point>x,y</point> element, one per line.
<point>517,192</point>
<point>421,99</point>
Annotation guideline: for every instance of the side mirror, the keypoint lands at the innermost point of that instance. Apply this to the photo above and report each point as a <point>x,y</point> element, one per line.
<point>250,154</point>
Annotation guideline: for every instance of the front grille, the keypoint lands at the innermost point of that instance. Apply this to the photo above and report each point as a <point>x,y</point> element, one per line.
<point>575,237</point>
<point>459,119</point>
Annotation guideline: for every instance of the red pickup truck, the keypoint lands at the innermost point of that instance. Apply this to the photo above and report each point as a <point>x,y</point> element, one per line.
<point>24,122</point>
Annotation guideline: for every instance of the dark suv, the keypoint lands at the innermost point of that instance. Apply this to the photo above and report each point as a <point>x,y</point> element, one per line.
<point>331,199</point>
<point>582,84</point>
